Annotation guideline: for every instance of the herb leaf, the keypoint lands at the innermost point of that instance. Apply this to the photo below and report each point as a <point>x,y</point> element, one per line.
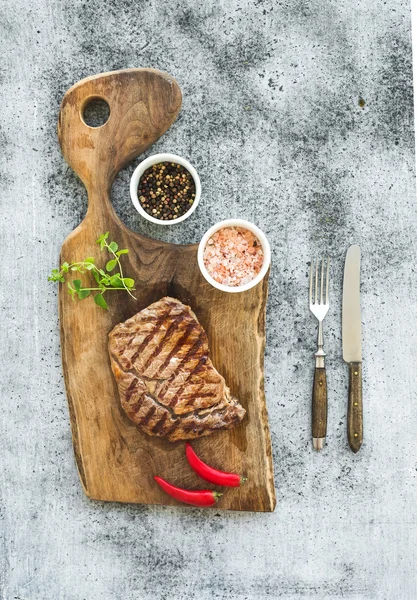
<point>115,281</point>
<point>100,301</point>
<point>83,294</point>
<point>128,282</point>
<point>111,265</point>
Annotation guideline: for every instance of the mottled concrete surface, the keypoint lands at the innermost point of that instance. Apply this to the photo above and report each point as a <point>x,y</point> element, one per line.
<point>272,120</point>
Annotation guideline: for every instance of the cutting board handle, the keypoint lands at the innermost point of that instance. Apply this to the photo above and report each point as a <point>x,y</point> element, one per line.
<point>143,105</point>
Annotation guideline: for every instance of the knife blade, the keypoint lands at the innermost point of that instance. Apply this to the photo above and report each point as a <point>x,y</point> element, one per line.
<point>352,345</point>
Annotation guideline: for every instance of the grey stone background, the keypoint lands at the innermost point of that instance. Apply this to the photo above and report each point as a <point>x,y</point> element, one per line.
<point>272,119</point>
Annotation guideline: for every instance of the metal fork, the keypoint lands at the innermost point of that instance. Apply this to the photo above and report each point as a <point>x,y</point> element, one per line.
<point>319,308</point>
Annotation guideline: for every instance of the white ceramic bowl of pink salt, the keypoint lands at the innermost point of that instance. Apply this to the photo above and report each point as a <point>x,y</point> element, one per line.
<point>234,255</point>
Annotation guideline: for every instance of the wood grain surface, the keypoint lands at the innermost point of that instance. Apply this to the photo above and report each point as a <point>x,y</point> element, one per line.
<point>319,404</point>
<point>355,409</point>
<point>116,461</point>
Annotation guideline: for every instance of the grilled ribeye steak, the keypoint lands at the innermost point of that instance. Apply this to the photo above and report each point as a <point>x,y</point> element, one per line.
<point>167,384</point>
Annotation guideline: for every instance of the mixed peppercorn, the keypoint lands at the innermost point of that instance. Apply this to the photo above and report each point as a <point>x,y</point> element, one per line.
<point>166,191</point>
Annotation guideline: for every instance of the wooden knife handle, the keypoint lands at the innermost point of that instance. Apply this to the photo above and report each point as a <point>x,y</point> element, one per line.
<point>319,413</point>
<point>355,412</point>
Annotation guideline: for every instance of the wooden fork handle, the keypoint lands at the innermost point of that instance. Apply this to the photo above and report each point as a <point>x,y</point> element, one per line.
<point>355,411</point>
<point>319,408</point>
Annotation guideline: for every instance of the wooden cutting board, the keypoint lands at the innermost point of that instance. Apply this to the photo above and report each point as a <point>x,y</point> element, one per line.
<point>115,460</point>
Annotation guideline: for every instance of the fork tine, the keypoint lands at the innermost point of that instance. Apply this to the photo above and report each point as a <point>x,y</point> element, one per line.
<point>311,282</point>
<point>322,281</point>
<point>317,276</point>
<point>327,281</point>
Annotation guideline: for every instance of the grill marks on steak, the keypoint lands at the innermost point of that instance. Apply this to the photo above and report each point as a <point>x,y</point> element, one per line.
<point>167,384</point>
<point>192,390</point>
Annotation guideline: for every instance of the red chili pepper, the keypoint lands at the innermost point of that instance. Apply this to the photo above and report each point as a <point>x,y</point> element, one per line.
<point>209,474</point>
<point>195,497</point>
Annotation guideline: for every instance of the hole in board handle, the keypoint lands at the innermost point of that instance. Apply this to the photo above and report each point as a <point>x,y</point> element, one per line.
<point>96,112</point>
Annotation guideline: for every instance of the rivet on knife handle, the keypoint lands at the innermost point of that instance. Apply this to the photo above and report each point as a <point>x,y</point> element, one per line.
<point>355,411</point>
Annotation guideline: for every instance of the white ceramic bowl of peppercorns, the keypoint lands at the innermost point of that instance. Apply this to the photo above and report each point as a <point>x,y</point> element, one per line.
<point>165,189</point>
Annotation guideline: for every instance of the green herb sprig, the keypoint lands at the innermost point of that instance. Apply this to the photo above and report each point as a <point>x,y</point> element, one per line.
<point>105,281</point>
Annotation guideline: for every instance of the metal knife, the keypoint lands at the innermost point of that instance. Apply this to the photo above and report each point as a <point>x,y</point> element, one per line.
<point>352,345</point>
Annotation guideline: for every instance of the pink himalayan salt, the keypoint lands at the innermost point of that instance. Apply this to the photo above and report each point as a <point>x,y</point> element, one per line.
<point>233,256</point>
